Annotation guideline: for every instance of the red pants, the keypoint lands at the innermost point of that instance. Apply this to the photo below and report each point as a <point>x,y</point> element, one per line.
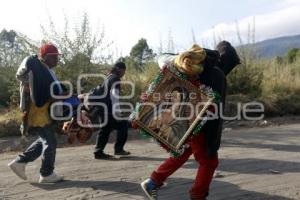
<point>206,169</point>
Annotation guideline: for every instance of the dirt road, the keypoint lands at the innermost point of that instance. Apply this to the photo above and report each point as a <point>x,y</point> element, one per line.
<point>256,163</point>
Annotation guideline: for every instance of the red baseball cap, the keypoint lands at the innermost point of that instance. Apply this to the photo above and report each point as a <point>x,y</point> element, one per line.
<point>48,49</point>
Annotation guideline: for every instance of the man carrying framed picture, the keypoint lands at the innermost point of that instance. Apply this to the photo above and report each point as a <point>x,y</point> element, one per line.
<point>203,145</point>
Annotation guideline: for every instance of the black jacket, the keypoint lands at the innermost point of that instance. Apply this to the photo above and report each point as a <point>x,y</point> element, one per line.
<point>42,80</point>
<point>214,77</point>
<point>103,90</point>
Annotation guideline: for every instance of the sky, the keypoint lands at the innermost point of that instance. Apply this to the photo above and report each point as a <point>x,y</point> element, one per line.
<point>126,21</point>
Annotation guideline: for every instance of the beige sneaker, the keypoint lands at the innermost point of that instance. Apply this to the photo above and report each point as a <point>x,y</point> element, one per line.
<point>18,169</point>
<point>53,178</point>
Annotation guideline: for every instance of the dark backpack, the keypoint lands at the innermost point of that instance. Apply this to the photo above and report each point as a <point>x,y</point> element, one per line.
<point>225,57</point>
<point>229,59</point>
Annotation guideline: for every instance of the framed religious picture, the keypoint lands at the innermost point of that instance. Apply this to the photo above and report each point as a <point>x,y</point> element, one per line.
<point>173,109</point>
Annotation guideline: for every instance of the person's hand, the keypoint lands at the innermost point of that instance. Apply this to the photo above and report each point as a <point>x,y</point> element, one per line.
<point>81,97</point>
<point>84,118</point>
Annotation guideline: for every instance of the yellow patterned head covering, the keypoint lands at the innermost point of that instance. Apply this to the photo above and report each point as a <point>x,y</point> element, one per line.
<point>189,62</point>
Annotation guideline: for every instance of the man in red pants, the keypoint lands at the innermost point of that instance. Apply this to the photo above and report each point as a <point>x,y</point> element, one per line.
<point>203,146</point>
<point>206,169</point>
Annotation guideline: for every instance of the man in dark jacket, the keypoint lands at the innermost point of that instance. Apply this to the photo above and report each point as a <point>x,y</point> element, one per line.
<point>110,91</point>
<point>36,77</point>
<point>204,145</point>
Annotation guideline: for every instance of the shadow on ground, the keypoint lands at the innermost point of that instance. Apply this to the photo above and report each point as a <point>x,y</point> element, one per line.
<point>177,189</point>
<point>253,166</point>
<point>275,147</point>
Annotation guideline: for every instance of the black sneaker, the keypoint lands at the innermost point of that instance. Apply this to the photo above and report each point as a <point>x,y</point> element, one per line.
<point>122,153</point>
<point>103,156</point>
<point>150,189</point>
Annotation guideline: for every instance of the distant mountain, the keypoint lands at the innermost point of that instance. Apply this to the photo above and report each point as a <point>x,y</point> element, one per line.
<point>276,46</point>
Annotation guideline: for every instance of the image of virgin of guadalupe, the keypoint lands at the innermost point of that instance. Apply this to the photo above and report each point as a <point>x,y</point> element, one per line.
<point>170,127</point>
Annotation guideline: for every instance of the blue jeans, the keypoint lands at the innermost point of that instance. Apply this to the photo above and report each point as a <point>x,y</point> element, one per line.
<point>45,145</point>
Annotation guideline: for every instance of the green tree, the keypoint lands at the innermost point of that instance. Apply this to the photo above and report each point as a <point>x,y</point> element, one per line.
<point>79,40</point>
<point>292,55</point>
<point>245,79</point>
<point>14,47</point>
<point>141,53</point>
<point>279,60</point>
<point>81,64</point>
<point>83,51</point>
<point>8,86</point>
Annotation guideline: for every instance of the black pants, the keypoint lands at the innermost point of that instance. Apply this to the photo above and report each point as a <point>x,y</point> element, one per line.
<point>103,135</point>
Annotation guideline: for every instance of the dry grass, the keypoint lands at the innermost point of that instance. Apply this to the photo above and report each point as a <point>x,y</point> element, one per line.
<point>10,121</point>
<point>279,88</point>
<point>280,76</point>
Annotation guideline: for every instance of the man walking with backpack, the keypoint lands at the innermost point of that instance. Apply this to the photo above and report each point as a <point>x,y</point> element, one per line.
<point>36,77</point>
<point>208,67</point>
<point>109,92</point>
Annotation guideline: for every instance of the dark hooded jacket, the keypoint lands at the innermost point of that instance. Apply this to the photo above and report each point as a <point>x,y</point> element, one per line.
<point>41,81</point>
<point>214,77</point>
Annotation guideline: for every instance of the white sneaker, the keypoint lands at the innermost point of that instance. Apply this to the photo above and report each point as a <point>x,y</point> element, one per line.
<point>18,169</point>
<point>53,178</point>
